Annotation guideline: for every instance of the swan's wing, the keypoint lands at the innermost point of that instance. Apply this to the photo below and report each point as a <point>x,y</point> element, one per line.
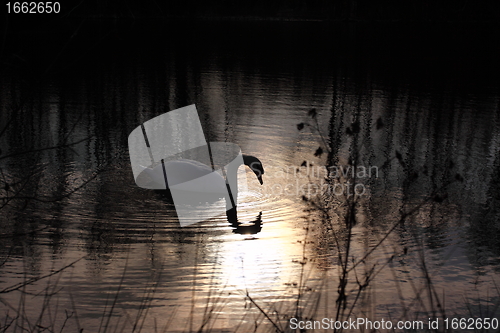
<point>181,171</point>
<point>211,183</point>
<point>155,175</point>
<point>194,176</point>
<point>187,175</point>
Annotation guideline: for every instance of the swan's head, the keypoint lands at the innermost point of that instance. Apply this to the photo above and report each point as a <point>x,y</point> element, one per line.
<point>255,165</point>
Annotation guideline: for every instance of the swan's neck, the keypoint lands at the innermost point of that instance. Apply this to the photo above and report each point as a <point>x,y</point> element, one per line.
<point>232,183</point>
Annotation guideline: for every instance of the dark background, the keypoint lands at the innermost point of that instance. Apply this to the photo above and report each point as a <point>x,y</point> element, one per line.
<point>415,42</point>
<point>381,10</point>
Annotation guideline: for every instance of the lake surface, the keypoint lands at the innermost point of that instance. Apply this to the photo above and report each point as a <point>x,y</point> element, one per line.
<point>415,112</point>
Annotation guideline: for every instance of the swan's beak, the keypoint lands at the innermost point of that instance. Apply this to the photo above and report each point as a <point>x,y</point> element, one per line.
<point>260,180</point>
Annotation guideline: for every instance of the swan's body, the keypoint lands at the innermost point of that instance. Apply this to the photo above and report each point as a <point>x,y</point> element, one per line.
<point>180,174</point>
<point>196,177</point>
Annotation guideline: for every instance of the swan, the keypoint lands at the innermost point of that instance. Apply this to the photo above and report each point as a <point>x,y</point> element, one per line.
<point>179,174</point>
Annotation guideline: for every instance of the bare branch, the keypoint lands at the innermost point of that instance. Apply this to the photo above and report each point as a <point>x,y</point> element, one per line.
<point>46,148</point>
<point>35,279</point>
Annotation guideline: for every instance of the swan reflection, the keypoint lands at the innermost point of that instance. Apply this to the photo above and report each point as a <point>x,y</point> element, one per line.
<point>244,228</point>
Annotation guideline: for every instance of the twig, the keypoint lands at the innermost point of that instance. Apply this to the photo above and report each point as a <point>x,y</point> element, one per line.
<point>35,279</point>
<point>46,148</point>
<point>278,329</point>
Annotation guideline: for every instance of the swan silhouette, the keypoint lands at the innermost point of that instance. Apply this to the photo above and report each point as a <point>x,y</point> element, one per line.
<point>177,174</point>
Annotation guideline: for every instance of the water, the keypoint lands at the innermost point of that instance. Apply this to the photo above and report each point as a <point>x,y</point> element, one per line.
<point>252,84</point>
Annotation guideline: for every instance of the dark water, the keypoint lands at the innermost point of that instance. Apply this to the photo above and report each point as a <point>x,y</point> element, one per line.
<point>419,107</point>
